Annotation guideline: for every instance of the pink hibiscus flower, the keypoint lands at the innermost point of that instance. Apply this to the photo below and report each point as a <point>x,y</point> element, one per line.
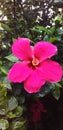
<point>36,67</point>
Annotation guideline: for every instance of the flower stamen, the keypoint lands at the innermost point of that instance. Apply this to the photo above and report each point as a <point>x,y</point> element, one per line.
<point>35,62</point>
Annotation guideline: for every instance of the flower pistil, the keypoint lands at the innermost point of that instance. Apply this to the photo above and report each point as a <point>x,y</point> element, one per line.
<point>35,62</point>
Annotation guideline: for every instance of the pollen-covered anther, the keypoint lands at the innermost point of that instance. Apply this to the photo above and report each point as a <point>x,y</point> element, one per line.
<point>35,62</point>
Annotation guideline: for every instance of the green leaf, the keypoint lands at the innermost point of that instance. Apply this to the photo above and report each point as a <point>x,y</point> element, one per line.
<point>11,115</point>
<point>52,30</point>
<point>53,39</point>
<point>5,80</point>
<point>9,87</point>
<point>56,92</point>
<point>2,111</point>
<point>46,38</point>
<point>60,31</point>
<point>12,103</point>
<point>3,99</point>
<point>4,124</point>
<point>59,85</point>
<point>19,125</point>
<point>0,63</point>
<point>3,90</point>
<point>39,29</point>
<point>45,90</point>
<point>11,58</point>
<point>3,70</point>
<point>6,27</point>
<point>19,111</point>
<point>22,99</point>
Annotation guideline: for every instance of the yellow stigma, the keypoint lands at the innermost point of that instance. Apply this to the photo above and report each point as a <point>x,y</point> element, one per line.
<point>35,62</point>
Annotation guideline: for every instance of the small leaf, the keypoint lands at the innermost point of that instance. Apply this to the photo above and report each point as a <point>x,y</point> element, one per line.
<point>19,111</point>
<point>3,98</point>
<point>11,115</point>
<point>4,125</point>
<point>59,85</point>
<point>22,99</point>
<point>3,70</point>
<point>45,90</point>
<point>3,90</point>
<point>46,38</point>
<point>6,27</point>
<point>2,111</point>
<point>39,29</point>
<point>0,63</point>
<point>60,31</point>
<point>53,39</point>
<point>12,104</point>
<point>11,58</point>
<point>56,92</point>
<point>18,125</point>
<point>9,87</point>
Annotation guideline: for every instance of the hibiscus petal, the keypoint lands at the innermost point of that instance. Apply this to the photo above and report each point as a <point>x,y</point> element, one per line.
<point>19,72</point>
<point>34,82</point>
<point>51,71</point>
<point>44,50</point>
<point>21,48</point>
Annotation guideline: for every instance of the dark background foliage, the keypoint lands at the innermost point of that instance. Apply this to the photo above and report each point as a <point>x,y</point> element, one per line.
<point>22,17</point>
